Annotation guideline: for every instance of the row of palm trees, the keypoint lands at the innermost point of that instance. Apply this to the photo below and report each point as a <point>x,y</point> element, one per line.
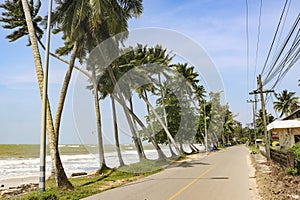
<point>181,114</point>
<point>83,24</point>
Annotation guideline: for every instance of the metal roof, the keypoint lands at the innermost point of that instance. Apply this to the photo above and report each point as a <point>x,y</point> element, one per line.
<point>293,115</point>
<point>284,124</point>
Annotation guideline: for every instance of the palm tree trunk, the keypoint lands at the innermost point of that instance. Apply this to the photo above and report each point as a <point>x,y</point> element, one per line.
<point>129,120</point>
<point>165,114</point>
<point>116,133</point>
<point>181,148</point>
<point>64,90</point>
<point>60,107</point>
<point>170,148</point>
<point>61,178</point>
<point>65,61</point>
<point>162,124</point>
<point>193,148</point>
<point>102,164</point>
<point>136,129</point>
<point>161,154</point>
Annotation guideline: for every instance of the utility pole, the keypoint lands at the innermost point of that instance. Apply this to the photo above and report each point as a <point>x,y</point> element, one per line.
<point>254,118</point>
<point>266,134</point>
<point>42,178</point>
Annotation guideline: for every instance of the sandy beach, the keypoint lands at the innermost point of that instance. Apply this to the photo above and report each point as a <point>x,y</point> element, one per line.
<point>14,182</point>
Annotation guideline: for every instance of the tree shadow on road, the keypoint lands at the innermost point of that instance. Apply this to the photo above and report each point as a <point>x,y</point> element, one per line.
<point>186,164</point>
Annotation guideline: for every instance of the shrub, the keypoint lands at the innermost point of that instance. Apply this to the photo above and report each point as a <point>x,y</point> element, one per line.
<point>296,150</point>
<point>244,140</point>
<point>292,171</point>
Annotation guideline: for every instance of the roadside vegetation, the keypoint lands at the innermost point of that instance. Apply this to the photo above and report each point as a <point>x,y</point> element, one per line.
<point>175,88</point>
<point>171,92</point>
<point>296,150</point>
<point>88,185</point>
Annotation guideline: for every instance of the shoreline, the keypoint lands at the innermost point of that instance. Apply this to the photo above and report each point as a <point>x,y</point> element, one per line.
<point>17,181</point>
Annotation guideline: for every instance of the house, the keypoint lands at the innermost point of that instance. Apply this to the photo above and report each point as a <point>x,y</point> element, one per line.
<point>288,129</point>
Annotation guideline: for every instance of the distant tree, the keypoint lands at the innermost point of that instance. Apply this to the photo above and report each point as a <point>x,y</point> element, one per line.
<point>229,124</point>
<point>259,122</point>
<point>286,103</point>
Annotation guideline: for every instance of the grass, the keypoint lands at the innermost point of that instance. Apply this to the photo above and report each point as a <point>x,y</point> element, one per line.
<point>87,186</point>
<point>253,149</point>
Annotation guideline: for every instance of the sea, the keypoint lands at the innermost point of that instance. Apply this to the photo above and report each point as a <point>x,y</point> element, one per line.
<point>19,160</point>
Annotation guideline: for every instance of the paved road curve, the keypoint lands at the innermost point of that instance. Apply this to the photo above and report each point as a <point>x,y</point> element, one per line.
<point>221,175</point>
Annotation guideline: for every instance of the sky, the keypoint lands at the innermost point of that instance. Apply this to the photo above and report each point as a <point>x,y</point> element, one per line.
<point>219,27</point>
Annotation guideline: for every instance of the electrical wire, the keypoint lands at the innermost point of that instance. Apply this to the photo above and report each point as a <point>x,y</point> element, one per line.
<point>247,42</point>
<point>258,38</point>
<point>274,37</point>
<point>281,63</point>
<point>289,57</point>
<point>282,28</point>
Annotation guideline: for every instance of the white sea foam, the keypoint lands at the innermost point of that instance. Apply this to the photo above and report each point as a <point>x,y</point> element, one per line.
<point>21,167</point>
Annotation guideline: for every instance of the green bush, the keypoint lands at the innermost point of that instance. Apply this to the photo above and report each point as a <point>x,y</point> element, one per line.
<point>244,140</point>
<point>296,150</point>
<point>292,171</point>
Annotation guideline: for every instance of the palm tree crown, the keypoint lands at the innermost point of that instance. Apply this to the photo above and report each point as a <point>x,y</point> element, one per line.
<point>286,103</point>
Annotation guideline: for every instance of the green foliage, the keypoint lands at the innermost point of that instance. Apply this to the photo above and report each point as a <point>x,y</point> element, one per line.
<point>143,166</point>
<point>87,186</point>
<point>259,123</point>
<point>244,140</point>
<point>253,150</point>
<point>286,103</point>
<point>292,171</point>
<point>44,196</point>
<point>13,18</point>
<point>296,150</point>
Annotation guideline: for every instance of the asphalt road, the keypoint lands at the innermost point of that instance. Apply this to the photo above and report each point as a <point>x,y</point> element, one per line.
<point>220,175</point>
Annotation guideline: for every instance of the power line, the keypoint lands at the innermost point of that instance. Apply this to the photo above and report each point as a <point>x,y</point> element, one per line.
<point>287,59</point>
<point>282,27</point>
<point>258,36</point>
<point>274,37</point>
<point>247,42</point>
<point>281,64</point>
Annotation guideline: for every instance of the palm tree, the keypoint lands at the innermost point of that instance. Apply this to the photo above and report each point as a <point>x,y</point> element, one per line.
<point>90,22</point>
<point>120,66</point>
<point>229,123</point>
<point>23,16</point>
<point>61,178</point>
<point>286,103</point>
<point>14,19</point>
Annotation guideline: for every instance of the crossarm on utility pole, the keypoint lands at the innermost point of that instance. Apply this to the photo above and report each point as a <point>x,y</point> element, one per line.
<point>261,92</point>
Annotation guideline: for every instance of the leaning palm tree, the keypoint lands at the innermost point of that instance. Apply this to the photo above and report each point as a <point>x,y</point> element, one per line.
<point>23,16</point>
<point>149,59</point>
<point>91,22</point>
<point>286,102</point>
<point>116,132</point>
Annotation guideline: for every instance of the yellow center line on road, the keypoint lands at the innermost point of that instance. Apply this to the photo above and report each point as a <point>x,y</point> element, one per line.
<point>193,181</point>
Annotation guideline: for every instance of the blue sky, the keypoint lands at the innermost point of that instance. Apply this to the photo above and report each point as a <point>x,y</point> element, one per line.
<point>217,26</point>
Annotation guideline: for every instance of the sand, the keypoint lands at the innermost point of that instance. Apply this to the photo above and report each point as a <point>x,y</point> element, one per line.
<point>14,182</point>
